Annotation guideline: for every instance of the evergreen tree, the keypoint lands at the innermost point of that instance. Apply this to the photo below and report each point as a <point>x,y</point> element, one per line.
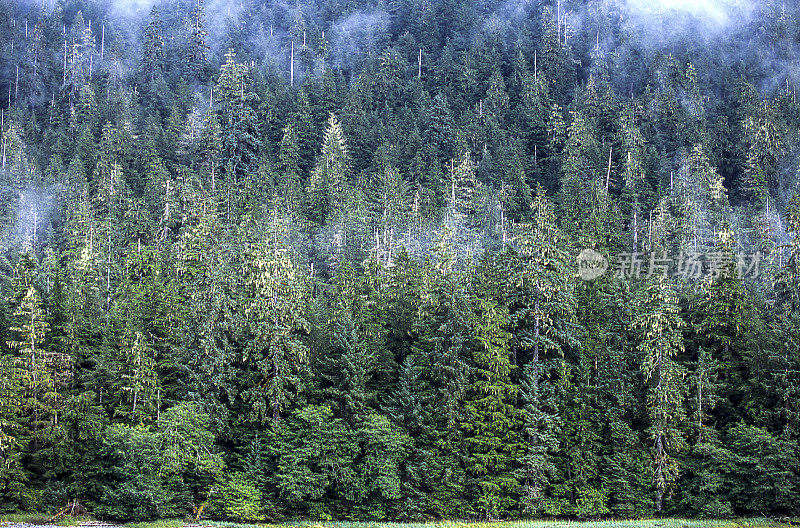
<point>659,321</point>
<point>238,130</point>
<point>153,47</point>
<point>197,48</point>
<point>444,329</point>
<point>276,353</point>
<point>357,344</point>
<point>787,369</point>
<point>542,316</point>
<point>330,178</point>
<point>491,429</point>
<point>29,330</point>
<point>704,201</point>
<point>289,164</point>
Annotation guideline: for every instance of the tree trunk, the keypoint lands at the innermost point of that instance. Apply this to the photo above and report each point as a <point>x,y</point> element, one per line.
<point>536,347</point>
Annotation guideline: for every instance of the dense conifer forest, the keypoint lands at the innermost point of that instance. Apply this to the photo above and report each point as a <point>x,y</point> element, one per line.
<point>400,259</point>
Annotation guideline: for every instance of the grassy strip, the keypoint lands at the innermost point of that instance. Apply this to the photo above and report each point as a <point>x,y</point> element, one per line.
<point>632,523</point>
<point>160,523</point>
<point>41,518</point>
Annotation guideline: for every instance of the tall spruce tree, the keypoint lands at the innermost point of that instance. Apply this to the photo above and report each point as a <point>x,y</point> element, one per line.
<point>542,316</point>
<point>658,319</point>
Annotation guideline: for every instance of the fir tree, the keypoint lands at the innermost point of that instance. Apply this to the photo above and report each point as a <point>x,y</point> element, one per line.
<point>197,48</point>
<point>276,318</point>
<point>660,324</point>
<point>330,177</point>
<point>493,421</point>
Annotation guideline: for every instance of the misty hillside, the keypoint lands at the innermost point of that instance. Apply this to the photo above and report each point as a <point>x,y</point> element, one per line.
<point>400,259</point>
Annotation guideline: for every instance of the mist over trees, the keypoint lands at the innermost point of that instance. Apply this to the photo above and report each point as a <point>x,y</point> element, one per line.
<point>404,259</point>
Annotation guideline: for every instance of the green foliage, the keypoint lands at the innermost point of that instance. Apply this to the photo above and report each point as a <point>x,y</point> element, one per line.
<point>591,503</point>
<point>150,472</point>
<point>383,454</point>
<point>137,493</point>
<point>186,442</point>
<point>237,499</point>
<point>315,455</point>
<point>276,291</point>
<point>659,321</point>
<point>762,469</point>
<point>493,421</point>
<point>330,178</point>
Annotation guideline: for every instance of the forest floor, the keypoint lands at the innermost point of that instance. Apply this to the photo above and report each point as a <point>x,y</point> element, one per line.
<point>39,521</point>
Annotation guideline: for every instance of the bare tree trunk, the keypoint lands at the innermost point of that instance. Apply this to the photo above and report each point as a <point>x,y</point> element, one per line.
<point>558,21</point>
<point>503,224</point>
<point>700,409</point>
<point>659,476</point>
<point>660,454</point>
<point>536,346</point>
<point>276,411</point>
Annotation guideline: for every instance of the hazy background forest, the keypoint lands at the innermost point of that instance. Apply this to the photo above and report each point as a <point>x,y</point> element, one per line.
<point>319,259</point>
